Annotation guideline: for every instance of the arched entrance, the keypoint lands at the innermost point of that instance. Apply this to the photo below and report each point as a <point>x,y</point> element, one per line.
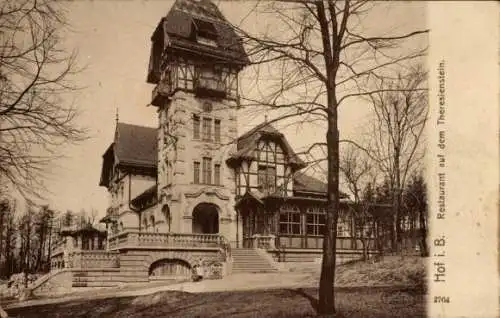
<point>206,218</point>
<point>169,269</point>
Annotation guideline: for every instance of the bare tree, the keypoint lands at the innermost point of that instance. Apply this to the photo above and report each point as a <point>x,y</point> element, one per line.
<point>400,109</point>
<point>37,114</point>
<point>314,58</point>
<point>358,174</point>
<point>415,205</point>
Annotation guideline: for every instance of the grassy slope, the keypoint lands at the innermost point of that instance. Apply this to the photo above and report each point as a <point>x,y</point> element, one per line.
<point>366,302</point>
<point>391,271</point>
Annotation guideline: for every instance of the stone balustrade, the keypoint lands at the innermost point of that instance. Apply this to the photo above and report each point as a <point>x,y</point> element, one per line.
<point>94,259</point>
<point>138,239</point>
<point>267,242</point>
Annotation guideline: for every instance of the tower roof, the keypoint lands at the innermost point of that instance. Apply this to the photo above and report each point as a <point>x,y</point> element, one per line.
<point>188,19</point>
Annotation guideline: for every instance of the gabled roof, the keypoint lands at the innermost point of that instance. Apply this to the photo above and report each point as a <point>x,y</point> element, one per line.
<point>247,143</point>
<point>189,16</point>
<point>86,228</point>
<point>134,146</point>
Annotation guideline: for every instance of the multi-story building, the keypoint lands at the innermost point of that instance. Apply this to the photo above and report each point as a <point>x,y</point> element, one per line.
<point>192,189</point>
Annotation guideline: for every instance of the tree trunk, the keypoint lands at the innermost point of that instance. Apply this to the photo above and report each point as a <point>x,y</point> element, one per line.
<point>365,248</point>
<point>49,253</point>
<point>326,303</point>
<point>396,203</point>
<point>423,233</point>
<point>2,216</point>
<point>27,253</point>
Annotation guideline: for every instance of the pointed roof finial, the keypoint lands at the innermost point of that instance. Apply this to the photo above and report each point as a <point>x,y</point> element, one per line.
<point>117,115</point>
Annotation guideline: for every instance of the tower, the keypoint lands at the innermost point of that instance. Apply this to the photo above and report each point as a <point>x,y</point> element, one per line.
<point>195,59</point>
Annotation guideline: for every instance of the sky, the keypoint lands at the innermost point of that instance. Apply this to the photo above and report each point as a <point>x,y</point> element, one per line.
<point>113,43</point>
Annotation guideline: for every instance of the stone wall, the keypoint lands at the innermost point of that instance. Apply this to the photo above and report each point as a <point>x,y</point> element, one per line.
<point>55,282</point>
<point>95,259</point>
<point>314,255</point>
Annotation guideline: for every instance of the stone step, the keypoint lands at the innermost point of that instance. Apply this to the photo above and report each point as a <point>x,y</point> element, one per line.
<point>239,271</point>
<point>94,284</point>
<point>245,253</point>
<point>252,267</point>
<point>250,261</point>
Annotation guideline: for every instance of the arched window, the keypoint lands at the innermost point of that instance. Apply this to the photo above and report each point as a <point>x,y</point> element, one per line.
<point>152,221</point>
<point>165,210</point>
<point>145,223</point>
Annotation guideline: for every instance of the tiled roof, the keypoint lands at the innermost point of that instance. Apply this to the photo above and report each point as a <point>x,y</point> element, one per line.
<point>145,195</point>
<point>181,19</point>
<point>133,146</point>
<point>305,183</point>
<point>136,145</point>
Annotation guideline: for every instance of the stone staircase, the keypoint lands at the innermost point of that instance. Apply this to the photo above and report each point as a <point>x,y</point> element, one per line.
<point>249,260</point>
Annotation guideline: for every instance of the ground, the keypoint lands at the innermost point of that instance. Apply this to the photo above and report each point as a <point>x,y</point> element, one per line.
<point>391,288</point>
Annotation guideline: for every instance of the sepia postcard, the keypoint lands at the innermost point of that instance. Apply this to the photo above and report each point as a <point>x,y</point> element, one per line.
<point>218,158</point>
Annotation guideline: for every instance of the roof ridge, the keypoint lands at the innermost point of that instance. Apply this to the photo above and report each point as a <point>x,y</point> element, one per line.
<point>135,125</point>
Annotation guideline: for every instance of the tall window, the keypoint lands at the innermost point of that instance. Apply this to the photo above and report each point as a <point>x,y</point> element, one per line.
<point>207,170</point>
<point>343,227</point>
<point>207,107</point>
<point>207,131</point>
<point>152,221</point>
<point>196,127</point>
<point>266,178</point>
<point>290,220</point>
<point>217,130</point>
<point>217,174</point>
<point>196,175</point>
<point>315,221</point>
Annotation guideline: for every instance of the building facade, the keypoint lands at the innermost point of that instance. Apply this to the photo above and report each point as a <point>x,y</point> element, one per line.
<point>198,175</point>
<point>193,190</point>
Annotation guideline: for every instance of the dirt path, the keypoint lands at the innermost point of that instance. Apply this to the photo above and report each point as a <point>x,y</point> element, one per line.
<point>236,282</point>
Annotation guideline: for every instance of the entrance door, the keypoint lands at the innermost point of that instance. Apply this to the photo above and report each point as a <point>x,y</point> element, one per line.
<point>248,222</point>
<point>206,219</point>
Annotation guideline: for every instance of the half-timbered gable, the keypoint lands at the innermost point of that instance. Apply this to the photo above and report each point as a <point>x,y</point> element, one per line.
<point>196,50</point>
<point>264,163</point>
<point>275,198</point>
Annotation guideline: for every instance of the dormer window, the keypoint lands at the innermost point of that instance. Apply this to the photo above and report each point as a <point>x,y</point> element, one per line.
<point>205,32</point>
